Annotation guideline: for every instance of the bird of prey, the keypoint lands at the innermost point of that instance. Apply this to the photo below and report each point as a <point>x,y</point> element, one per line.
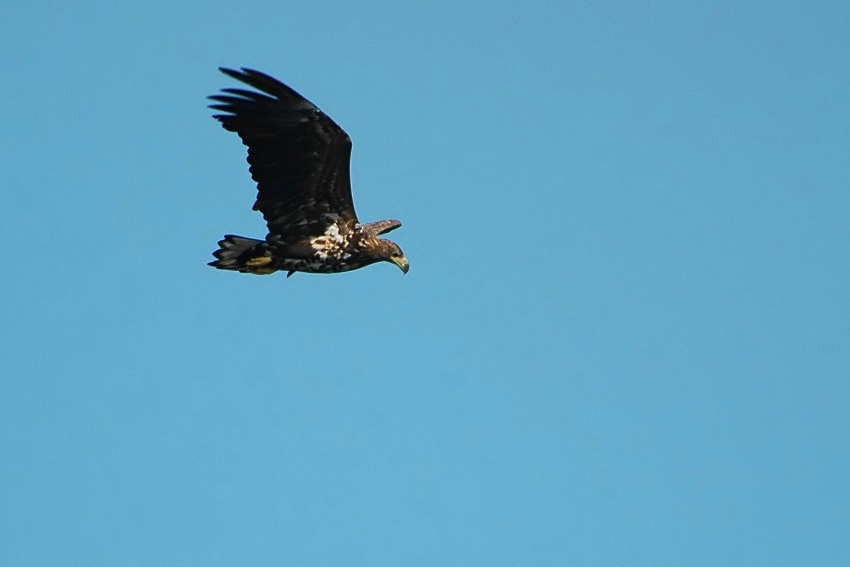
<point>299,159</point>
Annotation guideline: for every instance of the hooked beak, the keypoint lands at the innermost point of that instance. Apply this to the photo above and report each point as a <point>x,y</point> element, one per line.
<point>401,262</point>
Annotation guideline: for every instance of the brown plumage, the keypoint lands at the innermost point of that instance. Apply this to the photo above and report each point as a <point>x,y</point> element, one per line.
<point>299,158</point>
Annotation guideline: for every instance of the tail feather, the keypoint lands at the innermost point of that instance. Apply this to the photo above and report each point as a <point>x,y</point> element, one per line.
<point>242,254</point>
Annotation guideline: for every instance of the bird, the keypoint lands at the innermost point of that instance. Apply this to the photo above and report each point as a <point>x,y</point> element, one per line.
<point>300,160</point>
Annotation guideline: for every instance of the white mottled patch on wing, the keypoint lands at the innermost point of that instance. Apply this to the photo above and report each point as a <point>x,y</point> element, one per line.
<point>330,245</point>
<point>320,245</point>
<point>336,250</point>
<point>332,232</point>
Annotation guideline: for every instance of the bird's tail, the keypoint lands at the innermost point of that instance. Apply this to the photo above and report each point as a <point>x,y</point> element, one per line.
<point>246,255</point>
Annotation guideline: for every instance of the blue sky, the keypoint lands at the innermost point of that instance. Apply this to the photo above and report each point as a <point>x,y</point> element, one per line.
<point>623,339</point>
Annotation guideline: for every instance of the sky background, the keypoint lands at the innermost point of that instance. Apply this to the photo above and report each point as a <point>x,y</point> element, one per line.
<point>624,338</point>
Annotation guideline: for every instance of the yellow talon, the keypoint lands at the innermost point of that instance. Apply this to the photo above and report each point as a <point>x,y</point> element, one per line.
<point>259,261</point>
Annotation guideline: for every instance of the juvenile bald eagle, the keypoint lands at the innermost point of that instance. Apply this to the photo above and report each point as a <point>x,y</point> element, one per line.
<point>299,158</point>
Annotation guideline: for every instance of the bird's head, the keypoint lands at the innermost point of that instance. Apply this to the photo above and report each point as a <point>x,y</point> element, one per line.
<point>389,251</point>
<point>397,257</point>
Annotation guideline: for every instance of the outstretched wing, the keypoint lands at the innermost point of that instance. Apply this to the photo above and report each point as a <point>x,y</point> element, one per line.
<point>381,227</point>
<point>299,157</point>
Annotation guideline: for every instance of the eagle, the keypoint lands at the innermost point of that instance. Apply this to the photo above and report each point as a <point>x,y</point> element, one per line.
<point>299,159</point>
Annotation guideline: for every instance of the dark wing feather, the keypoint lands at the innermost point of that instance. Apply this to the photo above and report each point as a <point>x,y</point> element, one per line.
<point>381,227</point>
<point>299,157</point>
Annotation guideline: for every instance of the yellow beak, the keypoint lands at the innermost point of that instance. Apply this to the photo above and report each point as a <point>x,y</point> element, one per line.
<point>401,262</point>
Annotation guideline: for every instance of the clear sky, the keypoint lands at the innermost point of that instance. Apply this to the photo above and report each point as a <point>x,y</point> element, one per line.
<point>624,338</point>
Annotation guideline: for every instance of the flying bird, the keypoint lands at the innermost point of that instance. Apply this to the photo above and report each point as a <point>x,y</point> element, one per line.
<point>299,159</point>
